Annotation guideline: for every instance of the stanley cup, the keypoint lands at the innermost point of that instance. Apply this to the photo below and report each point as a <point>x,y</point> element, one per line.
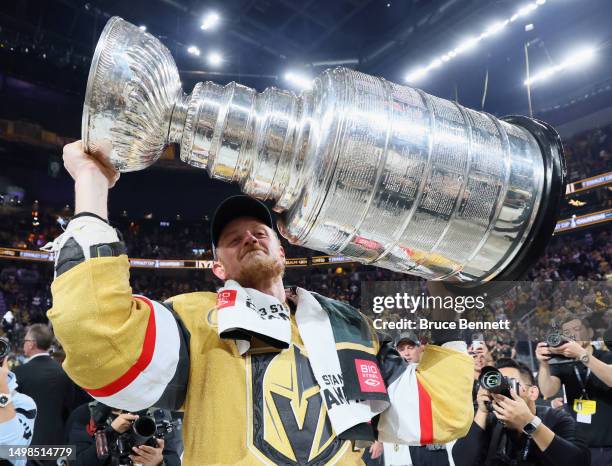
<point>357,166</point>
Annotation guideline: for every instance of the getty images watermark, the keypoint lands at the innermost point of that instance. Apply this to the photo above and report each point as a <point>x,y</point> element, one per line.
<point>389,311</point>
<point>522,312</point>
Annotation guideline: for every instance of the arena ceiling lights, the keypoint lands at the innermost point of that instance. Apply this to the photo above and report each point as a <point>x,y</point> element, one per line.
<point>214,58</point>
<point>210,21</point>
<point>298,80</point>
<point>193,50</point>
<point>471,42</point>
<point>575,60</point>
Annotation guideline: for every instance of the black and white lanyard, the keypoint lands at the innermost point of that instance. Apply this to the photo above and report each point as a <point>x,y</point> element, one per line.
<point>583,383</point>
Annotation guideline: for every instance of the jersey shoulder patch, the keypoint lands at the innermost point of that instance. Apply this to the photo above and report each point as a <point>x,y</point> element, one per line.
<point>195,309</point>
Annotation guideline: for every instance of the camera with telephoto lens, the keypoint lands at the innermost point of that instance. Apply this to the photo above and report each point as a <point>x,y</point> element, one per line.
<point>118,446</point>
<point>5,348</point>
<point>492,380</point>
<point>502,449</point>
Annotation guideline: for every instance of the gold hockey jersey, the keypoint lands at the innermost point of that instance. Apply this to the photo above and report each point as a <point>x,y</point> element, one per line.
<point>130,352</point>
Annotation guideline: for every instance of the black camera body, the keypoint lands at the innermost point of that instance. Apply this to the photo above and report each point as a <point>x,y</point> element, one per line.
<point>5,348</point>
<point>492,380</point>
<point>501,449</point>
<point>554,340</point>
<point>118,446</point>
<point>143,432</point>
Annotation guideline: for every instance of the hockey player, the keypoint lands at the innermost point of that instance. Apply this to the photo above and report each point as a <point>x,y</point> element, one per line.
<point>263,374</point>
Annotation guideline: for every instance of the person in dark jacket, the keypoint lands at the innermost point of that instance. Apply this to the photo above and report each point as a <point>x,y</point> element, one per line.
<point>44,380</point>
<point>80,431</point>
<point>518,432</point>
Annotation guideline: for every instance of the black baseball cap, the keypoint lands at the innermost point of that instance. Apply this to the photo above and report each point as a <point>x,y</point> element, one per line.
<point>408,336</point>
<point>235,207</point>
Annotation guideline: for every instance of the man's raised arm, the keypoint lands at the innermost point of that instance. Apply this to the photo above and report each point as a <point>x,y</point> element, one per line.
<point>126,351</point>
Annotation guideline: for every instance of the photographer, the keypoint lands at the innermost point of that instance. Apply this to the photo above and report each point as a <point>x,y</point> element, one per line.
<point>81,429</point>
<point>514,431</point>
<point>17,411</point>
<point>482,357</point>
<point>587,376</point>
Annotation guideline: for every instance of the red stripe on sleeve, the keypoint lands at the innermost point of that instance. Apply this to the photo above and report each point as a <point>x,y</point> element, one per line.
<point>425,415</point>
<point>146,355</point>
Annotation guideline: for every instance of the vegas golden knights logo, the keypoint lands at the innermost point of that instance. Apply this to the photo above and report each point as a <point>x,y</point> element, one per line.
<point>288,423</point>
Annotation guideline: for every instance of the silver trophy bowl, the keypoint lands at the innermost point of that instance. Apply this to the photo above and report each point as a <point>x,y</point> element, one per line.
<point>132,89</point>
<point>357,166</point>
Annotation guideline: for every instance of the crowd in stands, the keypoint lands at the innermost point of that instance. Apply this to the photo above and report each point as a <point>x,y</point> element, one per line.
<point>145,238</point>
<point>589,153</point>
<point>579,257</point>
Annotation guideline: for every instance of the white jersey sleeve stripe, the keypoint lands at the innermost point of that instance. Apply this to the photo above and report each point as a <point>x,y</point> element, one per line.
<point>144,383</point>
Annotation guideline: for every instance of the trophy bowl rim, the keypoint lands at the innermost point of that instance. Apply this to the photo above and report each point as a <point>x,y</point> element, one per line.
<point>555,180</point>
<point>110,24</point>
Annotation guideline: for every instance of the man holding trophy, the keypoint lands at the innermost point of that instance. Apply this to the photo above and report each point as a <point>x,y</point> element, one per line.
<point>358,166</point>
<point>250,365</point>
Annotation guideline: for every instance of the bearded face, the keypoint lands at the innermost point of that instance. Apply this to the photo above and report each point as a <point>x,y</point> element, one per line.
<point>250,253</point>
<point>258,266</point>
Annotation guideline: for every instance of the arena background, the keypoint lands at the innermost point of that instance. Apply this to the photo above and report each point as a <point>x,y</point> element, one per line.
<point>550,59</point>
<point>164,212</point>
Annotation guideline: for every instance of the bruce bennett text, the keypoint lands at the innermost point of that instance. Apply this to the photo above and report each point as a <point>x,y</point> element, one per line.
<point>426,324</point>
